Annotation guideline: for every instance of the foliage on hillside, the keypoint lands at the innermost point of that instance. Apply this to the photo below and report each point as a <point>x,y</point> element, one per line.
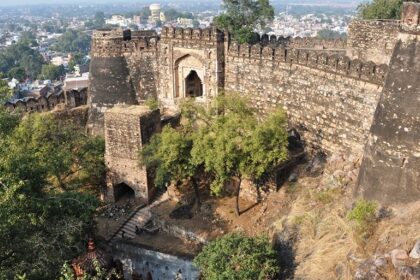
<point>235,256</point>
<point>242,17</point>
<point>45,215</point>
<point>380,9</point>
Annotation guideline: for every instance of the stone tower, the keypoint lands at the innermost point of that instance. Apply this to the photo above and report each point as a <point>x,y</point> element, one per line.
<point>127,129</point>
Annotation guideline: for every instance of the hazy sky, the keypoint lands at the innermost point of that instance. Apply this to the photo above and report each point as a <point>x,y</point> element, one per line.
<point>34,2</point>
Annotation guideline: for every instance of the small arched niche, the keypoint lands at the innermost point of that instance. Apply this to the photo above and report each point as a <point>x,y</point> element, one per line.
<point>193,85</point>
<point>123,192</point>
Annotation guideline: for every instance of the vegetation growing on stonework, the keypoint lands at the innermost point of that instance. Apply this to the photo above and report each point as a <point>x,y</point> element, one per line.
<point>45,211</point>
<point>380,9</point>
<point>225,141</point>
<point>235,256</point>
<point>364,216</point>
<point>242,17</point>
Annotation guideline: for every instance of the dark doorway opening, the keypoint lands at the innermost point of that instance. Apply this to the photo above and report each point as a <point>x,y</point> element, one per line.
<point>193,85</point>
<point>123,191</point>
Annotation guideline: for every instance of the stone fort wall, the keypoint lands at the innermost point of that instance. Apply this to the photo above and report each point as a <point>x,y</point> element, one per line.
<point>328,95</point>
<point>123,70</point>
<point>328,98</point>
<point>372,39</point>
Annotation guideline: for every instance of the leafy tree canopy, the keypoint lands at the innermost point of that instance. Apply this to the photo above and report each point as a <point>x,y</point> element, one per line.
<point>237,257</point>
<point>5,92</point>
<point>21,60</point>
<point>330,34</point>
<point>45,217</point>
<point>380,9</point>
<point>225,140</point>
<point>242,17</point>
<point>73,41</point>
<point>51,72</point>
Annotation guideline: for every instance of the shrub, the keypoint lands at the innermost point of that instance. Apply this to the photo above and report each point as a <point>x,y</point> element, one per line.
<point>235,256</point>
<point>363,214</point>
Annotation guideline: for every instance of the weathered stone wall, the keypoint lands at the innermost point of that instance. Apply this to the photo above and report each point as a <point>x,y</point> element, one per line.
<point>123,70</point>
<point>330,99</point>
<point>140,261</point>
<point>372,40</point>
<point>186,50</point>
<point>127,129</point>
<point>390,170</point>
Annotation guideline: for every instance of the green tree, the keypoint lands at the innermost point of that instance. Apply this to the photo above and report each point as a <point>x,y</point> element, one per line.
<point>43,226</point>
<point>236,144</point>
<point>330,34</point>
<point>18,58</point>
<point>76,59</point>
<point>237,257</point>
<point>31,153</point>
<point>97,22</point>
<point>73,41</point>
<point>169,155</point>
<point>242,17</point>
<point>380,9</point>
<point>5,92</point>
<point>51,72</point>
<point>28,38</point>
<point>17,73</point>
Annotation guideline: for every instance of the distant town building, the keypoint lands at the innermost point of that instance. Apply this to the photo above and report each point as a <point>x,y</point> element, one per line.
<point>76,82</point>
<point>137,20</point>
<point>61,60</point>
<point>185,21</point>
<point>154,13</point>
<point>118,20</point>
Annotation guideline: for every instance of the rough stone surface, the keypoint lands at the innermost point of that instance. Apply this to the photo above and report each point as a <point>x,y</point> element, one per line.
<point>415,252</point>
<point>127,129</point>
<point>398,257</point>
<point>331,99</point>
<point>142,261</point>
<point>372,40</point>
<point>390,169</point>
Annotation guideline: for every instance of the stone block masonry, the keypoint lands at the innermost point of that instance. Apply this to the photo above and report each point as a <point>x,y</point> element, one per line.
<point>331,110</point>
<point>390,170</point>
<point>127,129</point>
<point>330,92</point>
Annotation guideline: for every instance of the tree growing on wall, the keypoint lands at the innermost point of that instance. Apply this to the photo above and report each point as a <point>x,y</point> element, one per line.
<point>235,256</point>
<point>380,9</point>
<point>242,17</point>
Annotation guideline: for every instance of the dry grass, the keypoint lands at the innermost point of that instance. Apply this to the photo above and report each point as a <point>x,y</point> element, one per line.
<point>325,235</point>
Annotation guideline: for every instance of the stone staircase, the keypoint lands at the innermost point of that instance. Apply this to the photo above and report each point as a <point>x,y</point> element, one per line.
<point>138,218</point>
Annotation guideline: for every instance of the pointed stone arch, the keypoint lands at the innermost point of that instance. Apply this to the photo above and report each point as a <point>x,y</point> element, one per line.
<point>186,67</point>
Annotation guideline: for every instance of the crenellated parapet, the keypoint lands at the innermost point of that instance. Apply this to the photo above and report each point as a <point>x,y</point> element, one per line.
<point>332,63</point>
<point>118,42</point>
<point>296,42</point>
<point>211,34</point>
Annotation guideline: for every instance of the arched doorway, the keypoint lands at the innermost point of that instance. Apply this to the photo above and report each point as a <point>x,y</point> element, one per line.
<point>123,191</point>
<point>193,85</point>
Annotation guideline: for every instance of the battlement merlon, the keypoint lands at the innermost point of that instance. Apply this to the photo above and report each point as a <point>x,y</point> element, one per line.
<point>410,18</point>
<point>119,42</point>
<point>206,34</point>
